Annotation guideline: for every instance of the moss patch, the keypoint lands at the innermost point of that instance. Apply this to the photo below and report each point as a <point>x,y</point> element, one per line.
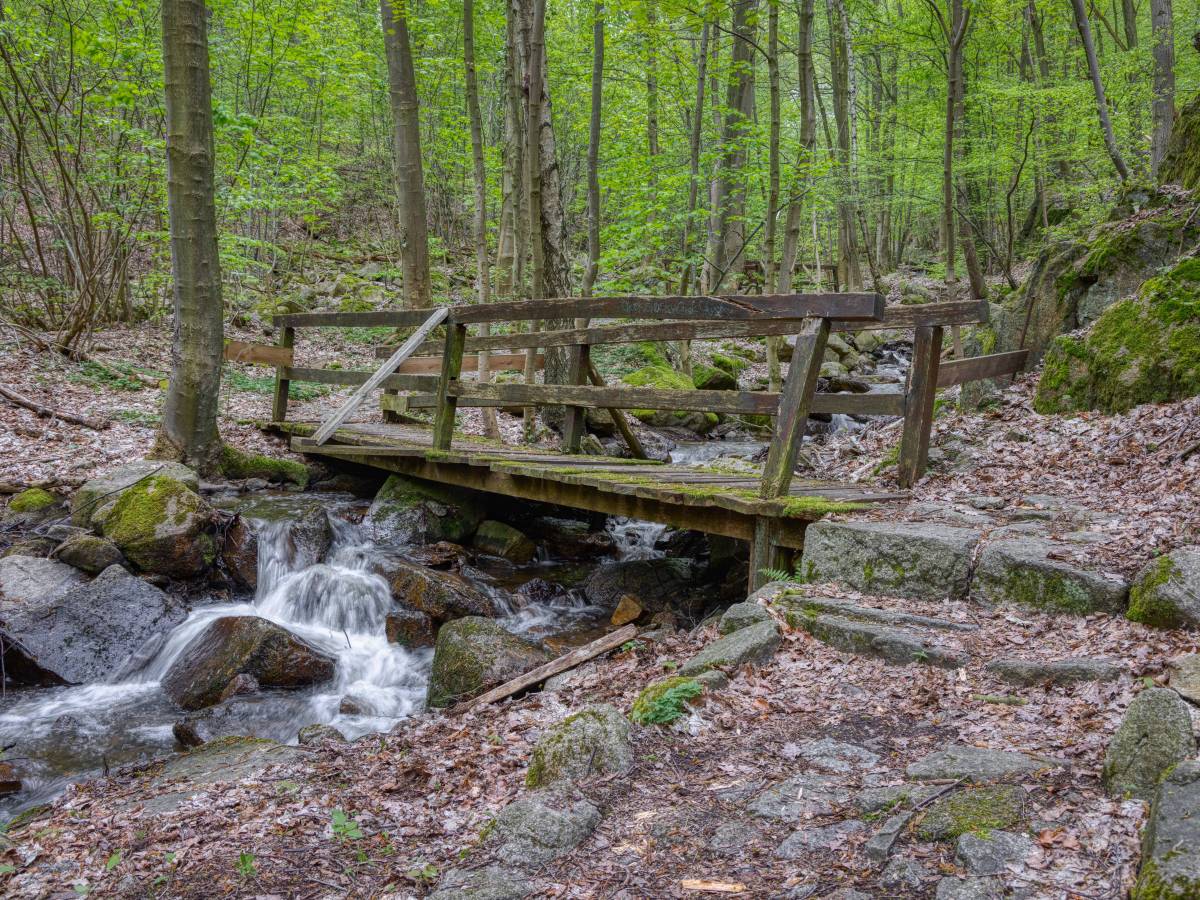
<point>974,810</point>
<point>238,464</point>
<point>593,741</point>
<point>1146,604</point>
<point>664,701</point>
<point>31,500</point>
<point>157,524</point>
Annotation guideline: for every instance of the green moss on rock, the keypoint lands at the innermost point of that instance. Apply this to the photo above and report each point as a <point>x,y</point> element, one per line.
<point>236,463</point>
<point>593,741</point>
<point>32,500</point>
<point>663,378</point>
<point>473,654</point>
<point>974,810</point>
<point>161,527</point>
<point>1146,603</point>
<point>664,701</point>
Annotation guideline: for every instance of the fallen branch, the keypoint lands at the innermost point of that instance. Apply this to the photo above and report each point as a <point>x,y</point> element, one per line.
<point>569,661</point>
<point>47,412</point>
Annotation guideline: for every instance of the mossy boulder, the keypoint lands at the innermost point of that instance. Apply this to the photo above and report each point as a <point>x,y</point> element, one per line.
<point>974,810</point>
<point>162,527</point>
<point>734,365</point>
<point>593,741</point>
<point>30,507</point>
<point>710,378</point>
<point>497,539</point>
<point>1155,735</point>
<point>742,615</point>
<point>35,546</point>
<point>1166,592</point>
<point>412,511</point>
<point>663,378</point>
<point>237,463</point>
<point>656,584</point>
<point>473,654</point>
<point>440,595</point>
<point>243,645</point>
<point>90,553</point>
<point>1171,842</point>
<point>1141,350</point>
<point>752,644</point>
<point>409,628</point>
<point>91,501</point>
<point>1026,572</point>
<point>665,700</point>
<point>1181,164</point>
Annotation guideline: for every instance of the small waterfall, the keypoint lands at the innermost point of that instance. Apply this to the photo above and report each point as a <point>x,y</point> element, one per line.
<point>634,538</point>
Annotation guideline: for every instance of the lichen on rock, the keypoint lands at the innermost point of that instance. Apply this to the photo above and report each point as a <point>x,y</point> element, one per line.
<point>974,810</point>
<point>593,741</point>
<point>1166,592</point>
<point>473,654</point>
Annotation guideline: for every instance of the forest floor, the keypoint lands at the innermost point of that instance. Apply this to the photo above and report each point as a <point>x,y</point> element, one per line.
<point>421,798</point>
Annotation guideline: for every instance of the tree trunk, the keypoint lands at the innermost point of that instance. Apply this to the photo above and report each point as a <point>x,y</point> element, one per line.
<point>685,244</point>
<point>482,276</point>
<point>410,184</point>
<point>773,144</point>
<point>1163,106</point>
<point>189,425</point>
<point>955,31</point>
<point>849,267</point>
<point>511,251</point>
<point>593,154</point>
<point>1089,48</point>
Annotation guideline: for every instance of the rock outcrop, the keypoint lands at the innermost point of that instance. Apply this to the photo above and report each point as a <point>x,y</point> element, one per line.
<point>1171,842</point>
<point>1155,735</point>
<point>473,654</point>
<point>1166,592</point>
<point>1025,571</point>
<point>243,645</point>
<point>411,511</point>
<point>593,741</point>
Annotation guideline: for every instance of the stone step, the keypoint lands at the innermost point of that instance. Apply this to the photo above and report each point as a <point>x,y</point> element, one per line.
<point>799,605</point>
<point>895,645</point>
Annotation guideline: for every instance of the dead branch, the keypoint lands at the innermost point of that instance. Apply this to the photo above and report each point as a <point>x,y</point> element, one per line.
<point>47,412</point>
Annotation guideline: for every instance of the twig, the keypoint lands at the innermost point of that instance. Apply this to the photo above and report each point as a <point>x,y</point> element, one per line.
<point>1187,451</point>
<point>47,412</point>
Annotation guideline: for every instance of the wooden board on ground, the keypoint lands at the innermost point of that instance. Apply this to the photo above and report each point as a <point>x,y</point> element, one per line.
<point>258,354</point>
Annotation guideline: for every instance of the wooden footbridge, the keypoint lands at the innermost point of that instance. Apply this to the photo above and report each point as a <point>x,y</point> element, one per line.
<point>770,510</point>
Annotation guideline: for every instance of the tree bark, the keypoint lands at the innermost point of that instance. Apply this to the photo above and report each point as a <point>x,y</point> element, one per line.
<point>511,249</point>
<point>773,144</point>
<point>189,425</point>
<point>593,154</point>
<point>1162,107</point>
<point>685,243</point>
<point>406,135</point>
<point>1089,49</point>
<point>841,64</point>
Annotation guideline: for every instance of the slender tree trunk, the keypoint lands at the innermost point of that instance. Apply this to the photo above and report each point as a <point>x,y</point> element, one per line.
<point>841,63</point>
<point>410,183</point>
<point>593,155</point>
<point>1089,48</point>
<point>652,147</point>
<point>535,47</point>
<point>1162,19</point>
<point>955,31</point>
<point>511,252</point>
<point>189,424</point>
<point>482,276</point>
<point>685,247</point>
<point>773,145</point>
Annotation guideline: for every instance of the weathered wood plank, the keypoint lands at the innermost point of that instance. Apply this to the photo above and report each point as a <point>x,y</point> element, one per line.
<point>618,398</point>
<point>497,362</point>
<point>257,354</point>
<point>287,338</point>
<point>578,359</point>
<point>443,424</point>
<point>975,368</point>
<point>794,406</point>
<point>918,416</point>
<point>764,552</point>
<point>861,306</point>
<point>388,318</point>
<point>954,312</point>
<point>355,400</point>
<point>358,376</point>
<point>564,663</point>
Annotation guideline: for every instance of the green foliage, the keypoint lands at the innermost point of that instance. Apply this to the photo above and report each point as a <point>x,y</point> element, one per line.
<point>245,865</point>
<point>664,701</point>
<point>111,376</point>
<point>344,827</point>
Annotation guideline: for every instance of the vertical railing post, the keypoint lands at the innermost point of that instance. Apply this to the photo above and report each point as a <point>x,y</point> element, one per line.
<point>764,551</point>
<point>447,403</point>
<point>795,402</point>
<point>287,339</point>
<point>575,417</point>
<point>918,403</point>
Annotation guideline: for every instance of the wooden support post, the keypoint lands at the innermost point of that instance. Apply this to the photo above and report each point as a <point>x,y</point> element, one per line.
<point>389,414</point>
<point>764,551</point>
<point>287,339</point>
<point>618,417</point>
<point>795,402</point>
<point>918,403</point>
<point>575,417</point>
<point>447,404</point>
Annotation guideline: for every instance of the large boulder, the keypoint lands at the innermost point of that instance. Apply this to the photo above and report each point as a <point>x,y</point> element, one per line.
<point>593,741</point>
<point>69,630</point>
<point>711,378</point>
<point>1141,350</point>
<point>243,645</point>
<point>162,526</point>
<point>303,523</point>
<point>411,511</point>
<point>442,596</point>
<point>752,644</point>
<point>1171,842</point>
<point>99,492</point>
<point>498,539</point>
<point>662,377</point>
<point>473,654</point>
<point>1026,571</point>
<point>906,559</point>
<point>1155,735</point>
<point>656,584</point>
<point>1166,592</point>
<point>30,507</point>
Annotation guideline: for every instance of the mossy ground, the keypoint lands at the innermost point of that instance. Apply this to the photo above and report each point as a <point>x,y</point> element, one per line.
<point>974,810</point>
<point>238,464</point>
<point>1146,604</point>
<point>31,500</point>
<point>663,701</point>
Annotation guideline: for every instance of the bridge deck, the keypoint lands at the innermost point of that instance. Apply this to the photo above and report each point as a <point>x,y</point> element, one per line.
<point>704,498</point>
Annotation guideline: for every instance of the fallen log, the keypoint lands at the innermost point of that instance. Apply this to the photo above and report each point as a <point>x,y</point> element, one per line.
<point>47,412</point>
<point>568,661</point>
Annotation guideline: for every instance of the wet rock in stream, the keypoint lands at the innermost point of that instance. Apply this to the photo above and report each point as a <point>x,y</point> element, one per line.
<point>411,511</point>
<point>473,654</point>
<point>442,596</point>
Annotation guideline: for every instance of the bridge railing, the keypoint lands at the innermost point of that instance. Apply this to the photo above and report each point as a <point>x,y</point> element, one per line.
<point>810,317</point>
